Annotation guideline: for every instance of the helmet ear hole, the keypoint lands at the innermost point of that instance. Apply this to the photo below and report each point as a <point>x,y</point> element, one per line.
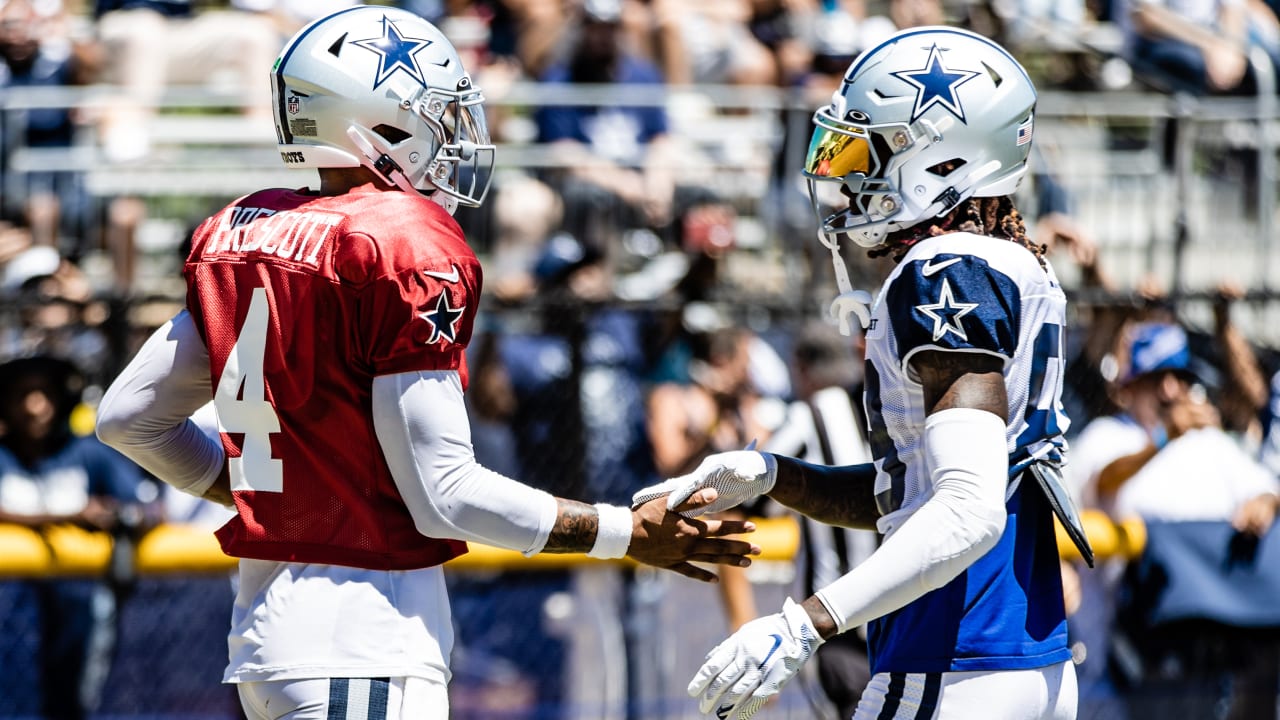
<point>393,135</point>
<point>946,167</point>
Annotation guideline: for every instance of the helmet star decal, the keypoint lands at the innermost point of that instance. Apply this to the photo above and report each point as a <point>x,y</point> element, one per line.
<point>936,84</point>
<point>395,52</point>
<point>443,320</point>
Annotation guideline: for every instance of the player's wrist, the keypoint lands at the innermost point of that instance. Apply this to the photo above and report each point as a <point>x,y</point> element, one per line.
<point>801,624</point>
<point>771,472</point>
<point>613,532</point>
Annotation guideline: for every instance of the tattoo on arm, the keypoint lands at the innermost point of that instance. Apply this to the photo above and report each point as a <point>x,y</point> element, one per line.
<point>962,380</point>
<point>575,528</point>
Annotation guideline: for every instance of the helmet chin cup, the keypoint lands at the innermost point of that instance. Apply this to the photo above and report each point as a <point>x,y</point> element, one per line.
<point>856,303</point>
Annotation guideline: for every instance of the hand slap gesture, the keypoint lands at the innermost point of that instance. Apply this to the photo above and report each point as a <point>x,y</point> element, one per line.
<point>736,476</point>
<point>667,539</point>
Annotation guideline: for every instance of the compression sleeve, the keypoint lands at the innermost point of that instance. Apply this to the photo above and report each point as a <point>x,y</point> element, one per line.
<point>963,520</point>
<point>146,413</point>
<point>422,426</point>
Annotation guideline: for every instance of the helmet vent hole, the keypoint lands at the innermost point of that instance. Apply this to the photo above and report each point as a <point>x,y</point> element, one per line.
<point>336,48</point>
<point>393,135</point>
<point>944,169</point>
<point>995,76</point>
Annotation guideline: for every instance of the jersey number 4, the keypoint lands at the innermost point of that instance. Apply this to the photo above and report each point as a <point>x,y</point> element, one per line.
<point>243,407</point>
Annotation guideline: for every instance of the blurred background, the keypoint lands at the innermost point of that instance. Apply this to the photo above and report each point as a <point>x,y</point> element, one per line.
<point>654,292</point>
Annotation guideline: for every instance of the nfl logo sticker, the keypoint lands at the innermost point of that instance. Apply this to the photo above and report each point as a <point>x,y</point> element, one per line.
<point>1024,133</point>
<point>294,105</point>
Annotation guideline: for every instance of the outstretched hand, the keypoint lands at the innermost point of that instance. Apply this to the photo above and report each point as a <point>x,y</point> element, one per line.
<point>736,476</point>
<point>667,539</point>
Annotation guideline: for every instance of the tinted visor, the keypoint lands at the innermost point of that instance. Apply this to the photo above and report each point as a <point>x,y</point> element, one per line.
<point>837,152</point>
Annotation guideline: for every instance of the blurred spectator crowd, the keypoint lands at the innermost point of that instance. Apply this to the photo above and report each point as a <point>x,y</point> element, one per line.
<point>643,308</point>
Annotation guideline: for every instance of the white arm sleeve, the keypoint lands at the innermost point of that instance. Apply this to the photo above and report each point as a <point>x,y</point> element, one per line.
<point>422,426</point>
<point>962,521</point>
<point>146,413</point>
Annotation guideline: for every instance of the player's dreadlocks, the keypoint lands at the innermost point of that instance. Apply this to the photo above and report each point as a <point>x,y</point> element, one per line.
<point>996,217</point>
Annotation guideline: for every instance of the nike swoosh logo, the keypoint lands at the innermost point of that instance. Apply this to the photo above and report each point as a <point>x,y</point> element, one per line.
<point>930,267</point>
<point>452,276</point>
<point>777,641</point>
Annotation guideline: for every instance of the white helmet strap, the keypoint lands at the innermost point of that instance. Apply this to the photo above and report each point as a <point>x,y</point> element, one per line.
<point>849,301</point>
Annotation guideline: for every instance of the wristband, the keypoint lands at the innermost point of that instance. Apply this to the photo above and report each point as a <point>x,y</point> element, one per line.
<point>613,532</point>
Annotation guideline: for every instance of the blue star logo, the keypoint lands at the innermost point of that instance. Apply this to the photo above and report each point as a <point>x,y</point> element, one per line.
<point>443,320</point>
<point>395,52</point>
<point>946,313</point>
<point>935,84</point>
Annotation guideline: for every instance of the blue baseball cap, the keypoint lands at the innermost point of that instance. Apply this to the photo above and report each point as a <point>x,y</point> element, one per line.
<point>1156,347</point>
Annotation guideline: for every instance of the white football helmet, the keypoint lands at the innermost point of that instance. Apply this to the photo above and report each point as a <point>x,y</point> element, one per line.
<point>923,121</point>
<point>382,88</point>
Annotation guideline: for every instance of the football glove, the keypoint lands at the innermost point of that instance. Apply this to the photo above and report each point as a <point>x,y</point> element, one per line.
<point>737,476</point>
<point>743,672</point>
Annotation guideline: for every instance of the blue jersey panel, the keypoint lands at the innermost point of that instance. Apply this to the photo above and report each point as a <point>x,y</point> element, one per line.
<point>1005,612</point>
<point>954,302</point>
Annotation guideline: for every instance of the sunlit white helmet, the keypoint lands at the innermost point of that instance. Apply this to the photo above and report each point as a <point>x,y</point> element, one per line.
<point>382,88</point>
<point>923,121</point>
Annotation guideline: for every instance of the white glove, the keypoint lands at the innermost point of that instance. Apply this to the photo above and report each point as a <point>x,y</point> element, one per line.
<point>737,475</point>
<point>744,671</point>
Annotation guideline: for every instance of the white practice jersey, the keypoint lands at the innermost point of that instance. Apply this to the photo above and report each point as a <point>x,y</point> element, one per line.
<point>967,293</point>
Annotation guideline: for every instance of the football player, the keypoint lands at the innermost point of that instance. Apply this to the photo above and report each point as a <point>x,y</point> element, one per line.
<point>924,143</point>
<point>329,327</point>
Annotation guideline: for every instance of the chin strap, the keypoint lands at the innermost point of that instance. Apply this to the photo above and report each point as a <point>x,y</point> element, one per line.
<point>381,163</point>
<point>849,301</point>
<point>389,170</point>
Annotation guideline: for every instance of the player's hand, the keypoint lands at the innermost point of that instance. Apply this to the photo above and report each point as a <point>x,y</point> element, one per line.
<point>743,672</point>
<point>667,539</point>
<point>737,476</point>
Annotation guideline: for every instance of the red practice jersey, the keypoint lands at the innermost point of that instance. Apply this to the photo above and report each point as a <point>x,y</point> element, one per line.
<point>302,300</point>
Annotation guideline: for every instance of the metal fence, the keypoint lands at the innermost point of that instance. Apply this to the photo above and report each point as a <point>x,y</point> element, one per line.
<point>1182,188</point>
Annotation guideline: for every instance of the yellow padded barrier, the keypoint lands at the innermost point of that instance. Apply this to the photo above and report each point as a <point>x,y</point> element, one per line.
<point>187,549</point>
<point>1107,537</point>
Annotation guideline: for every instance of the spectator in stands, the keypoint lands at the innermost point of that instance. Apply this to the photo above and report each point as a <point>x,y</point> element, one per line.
<point>711,43</point>
<point>615,169</point>
<point>151,45</point>
<point>37,51</point>
<point>720,408</point>
<point>54,311</point>
<point>1242,398</point>
<point>51,477</point>
<point>1199,46</point>
<point>1163,457</point>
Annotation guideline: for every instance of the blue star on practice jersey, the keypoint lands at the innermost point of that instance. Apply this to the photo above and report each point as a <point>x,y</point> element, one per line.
<point>935,84</point>
<point>395,52</point>
<point>443,320</point>
<point>946,313</point>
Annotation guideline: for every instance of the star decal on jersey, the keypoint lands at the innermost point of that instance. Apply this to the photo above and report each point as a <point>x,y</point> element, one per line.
<point>395,52</point>
<point>946,313</point>
<point>443,320</point>
<point>936,84</point>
